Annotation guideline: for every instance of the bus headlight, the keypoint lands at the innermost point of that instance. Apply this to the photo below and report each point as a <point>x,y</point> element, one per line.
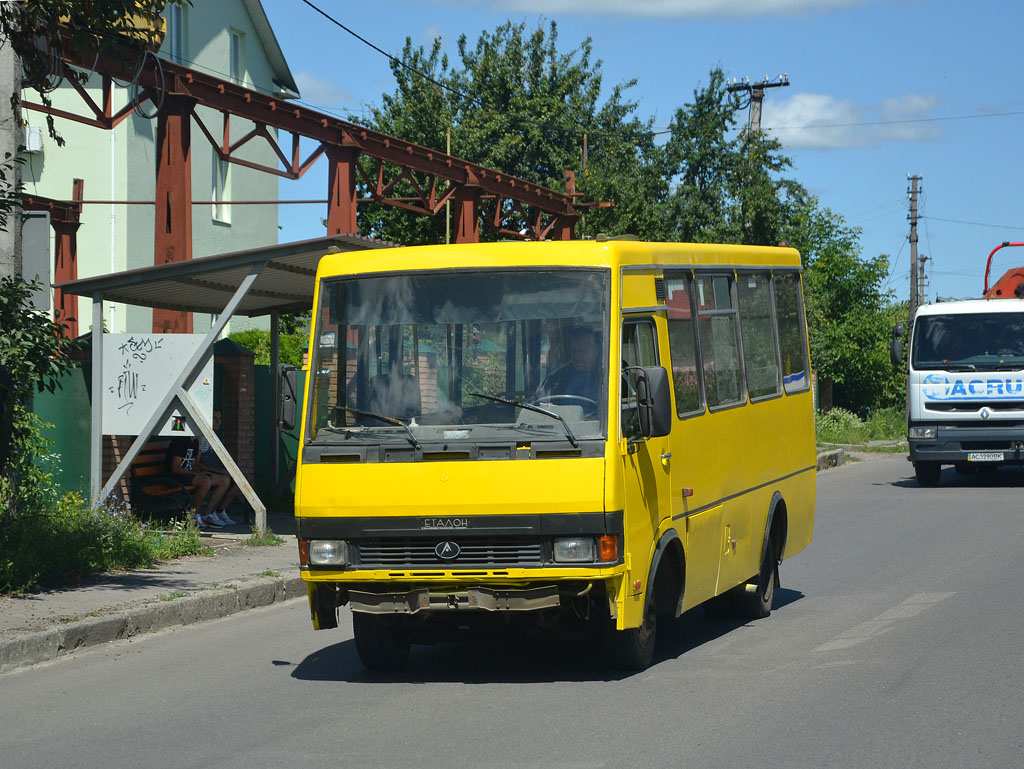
<point>922,432</point>
<point>328,552</point>
<point>574,549</point>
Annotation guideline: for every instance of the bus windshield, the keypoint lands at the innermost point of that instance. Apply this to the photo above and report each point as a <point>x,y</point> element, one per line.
<point>453,356</point>
<point>969,342</point>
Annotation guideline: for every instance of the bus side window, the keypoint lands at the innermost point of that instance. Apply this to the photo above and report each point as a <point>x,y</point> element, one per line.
<point>682,342</point>
<point>789,320</point>
<point>760,356</point>
<point>639,348</point>
<point>718,332</point>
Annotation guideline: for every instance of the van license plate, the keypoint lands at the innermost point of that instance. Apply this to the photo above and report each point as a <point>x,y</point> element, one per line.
<point>985,456</point>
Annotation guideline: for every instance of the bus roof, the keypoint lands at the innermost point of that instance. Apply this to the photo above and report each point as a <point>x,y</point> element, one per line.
<point>566,253</point>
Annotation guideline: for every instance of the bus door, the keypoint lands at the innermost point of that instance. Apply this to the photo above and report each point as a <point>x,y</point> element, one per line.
<point>646,464</point>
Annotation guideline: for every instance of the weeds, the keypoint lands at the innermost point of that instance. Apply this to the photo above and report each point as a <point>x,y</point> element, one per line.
<point>67,540</point>
<point>263,538</point>
<point>842,426</point>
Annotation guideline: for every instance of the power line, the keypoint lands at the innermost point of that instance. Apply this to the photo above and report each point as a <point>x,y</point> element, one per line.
<point>894,122</point>
<point>976,224</point>
<point>475,101</point>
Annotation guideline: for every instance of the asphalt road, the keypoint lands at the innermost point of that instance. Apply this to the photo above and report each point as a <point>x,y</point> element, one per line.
<point>896,641</point>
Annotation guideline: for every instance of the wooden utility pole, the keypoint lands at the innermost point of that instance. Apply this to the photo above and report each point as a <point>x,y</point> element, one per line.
<point>912,216</point>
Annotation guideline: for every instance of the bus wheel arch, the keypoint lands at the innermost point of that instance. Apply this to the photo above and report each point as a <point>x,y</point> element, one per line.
<point>633,648</point>
<point>758,595</point>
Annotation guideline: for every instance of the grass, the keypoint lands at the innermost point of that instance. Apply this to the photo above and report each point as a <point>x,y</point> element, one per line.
<point>264,538</point>
<point>67,541</point>
<point>843,427</point>
<point>173,596</point>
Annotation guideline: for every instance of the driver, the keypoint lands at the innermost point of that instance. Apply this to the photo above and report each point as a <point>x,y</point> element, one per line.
<point>581,375</point>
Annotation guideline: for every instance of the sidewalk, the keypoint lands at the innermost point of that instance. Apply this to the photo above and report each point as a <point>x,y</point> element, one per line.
<point>43,626</point>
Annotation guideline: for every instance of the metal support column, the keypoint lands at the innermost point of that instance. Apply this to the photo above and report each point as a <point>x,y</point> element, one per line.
<point>173,231</point>
<point>96,434</point>
<point>65,233</point>
<point>341,191</point>
<point>275,396</point>
<point>467,214</point>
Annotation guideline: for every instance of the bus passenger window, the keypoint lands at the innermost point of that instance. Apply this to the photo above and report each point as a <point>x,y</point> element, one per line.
<point>682,343</point>
<point>760,358</point>
<point>788,314</point>
<point>719,340</point>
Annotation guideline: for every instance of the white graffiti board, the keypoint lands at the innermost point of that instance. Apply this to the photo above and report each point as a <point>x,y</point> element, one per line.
<point>138,371</point>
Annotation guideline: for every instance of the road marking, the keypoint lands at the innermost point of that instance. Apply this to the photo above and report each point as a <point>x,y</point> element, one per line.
<point>884,622</point>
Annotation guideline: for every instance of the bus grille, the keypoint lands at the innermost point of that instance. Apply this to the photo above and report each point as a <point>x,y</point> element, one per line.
<point>475,551</point>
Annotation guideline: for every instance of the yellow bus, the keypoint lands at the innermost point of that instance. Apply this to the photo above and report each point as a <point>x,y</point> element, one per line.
<point>570,437</point>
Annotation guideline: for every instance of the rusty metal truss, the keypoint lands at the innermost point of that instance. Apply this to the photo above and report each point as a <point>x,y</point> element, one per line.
<point>435,177</point>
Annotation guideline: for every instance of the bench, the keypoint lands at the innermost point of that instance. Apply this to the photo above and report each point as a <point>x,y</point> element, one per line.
<point>152,489</point>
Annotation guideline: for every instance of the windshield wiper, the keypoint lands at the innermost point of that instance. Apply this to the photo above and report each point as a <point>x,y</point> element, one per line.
<point>530,407</point>
<point>389,420</point>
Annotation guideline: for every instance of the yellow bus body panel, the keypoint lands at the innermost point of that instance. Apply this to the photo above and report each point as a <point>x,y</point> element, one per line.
<point>733,461</point>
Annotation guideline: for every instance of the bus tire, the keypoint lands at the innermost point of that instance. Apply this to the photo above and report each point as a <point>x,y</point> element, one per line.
<point>633,649</point>
<point>927,473</point>
<point>382,643</point>
<point>755,598</point>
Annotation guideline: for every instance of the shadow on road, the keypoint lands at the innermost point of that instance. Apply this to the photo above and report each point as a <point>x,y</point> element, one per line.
<point>519,658</point>
<point>990,477</point>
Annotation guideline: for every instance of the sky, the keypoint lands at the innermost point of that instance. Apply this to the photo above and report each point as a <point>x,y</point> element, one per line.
<point>878,91</point>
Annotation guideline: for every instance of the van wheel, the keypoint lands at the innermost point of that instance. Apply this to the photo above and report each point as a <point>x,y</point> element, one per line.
<point>633,649</point>
<point>927,473</point>
<point>381,642</point>
<point>755,598</point>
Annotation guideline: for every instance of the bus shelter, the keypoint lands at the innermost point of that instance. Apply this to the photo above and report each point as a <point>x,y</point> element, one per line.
<point>262,281</point>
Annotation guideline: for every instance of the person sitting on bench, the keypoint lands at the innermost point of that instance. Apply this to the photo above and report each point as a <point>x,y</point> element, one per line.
<point>183,464</point>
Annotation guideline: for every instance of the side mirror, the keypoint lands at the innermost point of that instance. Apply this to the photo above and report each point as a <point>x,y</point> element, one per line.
<point>654,404</point>
<point>287,408</point>
<point>896,346</point>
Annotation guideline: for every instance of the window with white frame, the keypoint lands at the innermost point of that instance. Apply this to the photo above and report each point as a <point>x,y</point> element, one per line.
<point>221,190</point>
<point>236,64</point>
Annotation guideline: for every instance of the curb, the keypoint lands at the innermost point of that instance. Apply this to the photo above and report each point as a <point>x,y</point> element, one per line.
<point>202,605</point>
<point>834,458</point>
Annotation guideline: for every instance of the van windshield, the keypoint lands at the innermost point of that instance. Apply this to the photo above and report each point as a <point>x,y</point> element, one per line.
<point>448,356</point>
<point>969,342</point>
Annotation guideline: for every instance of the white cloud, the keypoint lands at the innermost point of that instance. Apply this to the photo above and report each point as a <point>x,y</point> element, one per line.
<point>680,8</point>
<point>821,121</point>
<point>320,91</point>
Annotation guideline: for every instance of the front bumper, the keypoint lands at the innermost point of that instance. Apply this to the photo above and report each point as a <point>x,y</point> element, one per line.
<point>971,443</point>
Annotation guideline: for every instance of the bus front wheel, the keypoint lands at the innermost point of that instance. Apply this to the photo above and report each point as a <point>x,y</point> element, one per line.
<point>927,473</point>
<point>381,642</point>
<point>633,648</point>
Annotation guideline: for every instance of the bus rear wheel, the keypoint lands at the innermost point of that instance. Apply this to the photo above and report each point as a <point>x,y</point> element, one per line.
<point>633,648</point>
<point>927,473</point>
<point>381,642</point>
<point>755,600</point>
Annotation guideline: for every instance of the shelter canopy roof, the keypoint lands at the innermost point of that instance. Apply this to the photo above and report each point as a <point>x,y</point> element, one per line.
<point>285,284</point>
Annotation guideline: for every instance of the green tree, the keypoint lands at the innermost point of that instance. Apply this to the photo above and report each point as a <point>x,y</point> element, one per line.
<point>728,184</point>
<point>516,103</point>
<point>850,314</point>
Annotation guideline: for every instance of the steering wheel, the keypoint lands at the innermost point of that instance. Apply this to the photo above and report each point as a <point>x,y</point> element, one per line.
<point>587,403</point>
